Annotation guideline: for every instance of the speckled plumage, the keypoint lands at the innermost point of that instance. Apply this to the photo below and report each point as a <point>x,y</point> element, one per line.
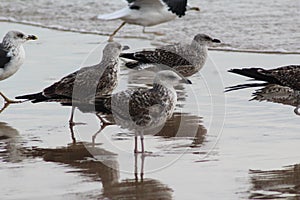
<point>288,76</point>
<point>86,83</point>
<point>140,109</point>
<point>187,59</point>
<point>277,94</point>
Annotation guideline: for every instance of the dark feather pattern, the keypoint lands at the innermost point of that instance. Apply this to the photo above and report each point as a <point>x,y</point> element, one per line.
<point>285,76</point>
<point>177,7</point>
<point>86,83</point>
<point>4,59</point>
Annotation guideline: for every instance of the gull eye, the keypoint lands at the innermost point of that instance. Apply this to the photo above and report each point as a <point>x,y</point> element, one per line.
<point>171,77</point>
<point>20,35</point>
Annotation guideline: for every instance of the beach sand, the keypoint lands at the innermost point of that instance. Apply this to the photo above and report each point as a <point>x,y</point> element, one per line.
<point>227,136</point>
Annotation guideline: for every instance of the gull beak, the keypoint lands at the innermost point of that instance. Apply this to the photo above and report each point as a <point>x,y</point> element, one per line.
<point>125,47</point>
<point>186,81</point>
<point>195,8</point>
<point>216,41</point>
<point>188,7</point>
<point>31,37</point>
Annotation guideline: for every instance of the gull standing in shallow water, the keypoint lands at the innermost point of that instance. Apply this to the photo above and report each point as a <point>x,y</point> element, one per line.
<point>185,59</point>
<point>140,109</point>
<point>12,55</point>
<point>282,84</point>
<point>86,83</point>
<point>148,13</point>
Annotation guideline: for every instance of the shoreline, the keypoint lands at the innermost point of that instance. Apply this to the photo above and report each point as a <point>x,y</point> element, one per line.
<point>60,28</point>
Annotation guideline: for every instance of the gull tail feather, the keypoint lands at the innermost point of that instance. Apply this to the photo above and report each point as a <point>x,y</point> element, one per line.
<point>34,98</point>
<point>255,73</point>
<point>115,15</point>
<point>243,86</point>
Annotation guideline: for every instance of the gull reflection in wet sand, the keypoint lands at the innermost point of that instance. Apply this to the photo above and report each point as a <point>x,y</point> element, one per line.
<point>180,125</point>
<point>10,144</point>
<point>276,184</point>
<point>278,94</point>
<point>102,165</point>
<point>138,188</point>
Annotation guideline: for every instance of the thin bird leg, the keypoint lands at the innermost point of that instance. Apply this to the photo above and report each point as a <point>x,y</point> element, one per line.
<point>4,107</point>
<point>7,100</point>
<point>149,32</point>
<point>71,122</point>
<point>111,36</point>
<point>142,141</point>
<point>103,124</point>
<point>135,143</point>
<point>72,134</point>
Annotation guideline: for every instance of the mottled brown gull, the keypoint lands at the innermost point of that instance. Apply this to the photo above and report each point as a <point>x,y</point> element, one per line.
<point>86,83</point>
<point>187,59</point>
<point>281,85</point>
<point>140,109</point>
<point>288,76</point>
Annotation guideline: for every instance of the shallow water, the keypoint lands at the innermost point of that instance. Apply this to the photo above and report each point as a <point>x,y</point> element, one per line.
<point>223,148</point>
<point>270,25</point>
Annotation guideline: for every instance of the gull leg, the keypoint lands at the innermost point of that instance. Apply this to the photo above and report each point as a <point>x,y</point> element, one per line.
<point>142,142</point>
<point>149,32</point>
<point>72,134</point>
<point>103,124</point>
<point>71,121</point>
<point>135,143</point>
<point>4,107</point>
<point>7,100</point>
<point>111,36</point>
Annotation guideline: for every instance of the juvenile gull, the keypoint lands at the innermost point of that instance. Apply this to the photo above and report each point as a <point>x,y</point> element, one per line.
<point>141,109</point>
<point>12,55</point>
<point>187,59</point>
<point>148,13</point>
<point>288,76</point>
<point>86,83</point>
<point>282,84</point>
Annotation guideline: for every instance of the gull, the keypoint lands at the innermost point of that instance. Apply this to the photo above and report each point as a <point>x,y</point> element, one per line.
<point>12,55</point>
<point>288,76</point>
<point>140,109</point>
<point>84,84</point>
<point>285,80</point>
<point>148,13</point>
<point>187,59</point>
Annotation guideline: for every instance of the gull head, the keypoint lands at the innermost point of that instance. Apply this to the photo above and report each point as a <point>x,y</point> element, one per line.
<point>17,38</point>
<point>204,39</point>
<point>170,78</point>
<point>113,49</point>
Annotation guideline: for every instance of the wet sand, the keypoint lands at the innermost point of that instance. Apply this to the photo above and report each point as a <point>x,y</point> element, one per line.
<point>224,147</point>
